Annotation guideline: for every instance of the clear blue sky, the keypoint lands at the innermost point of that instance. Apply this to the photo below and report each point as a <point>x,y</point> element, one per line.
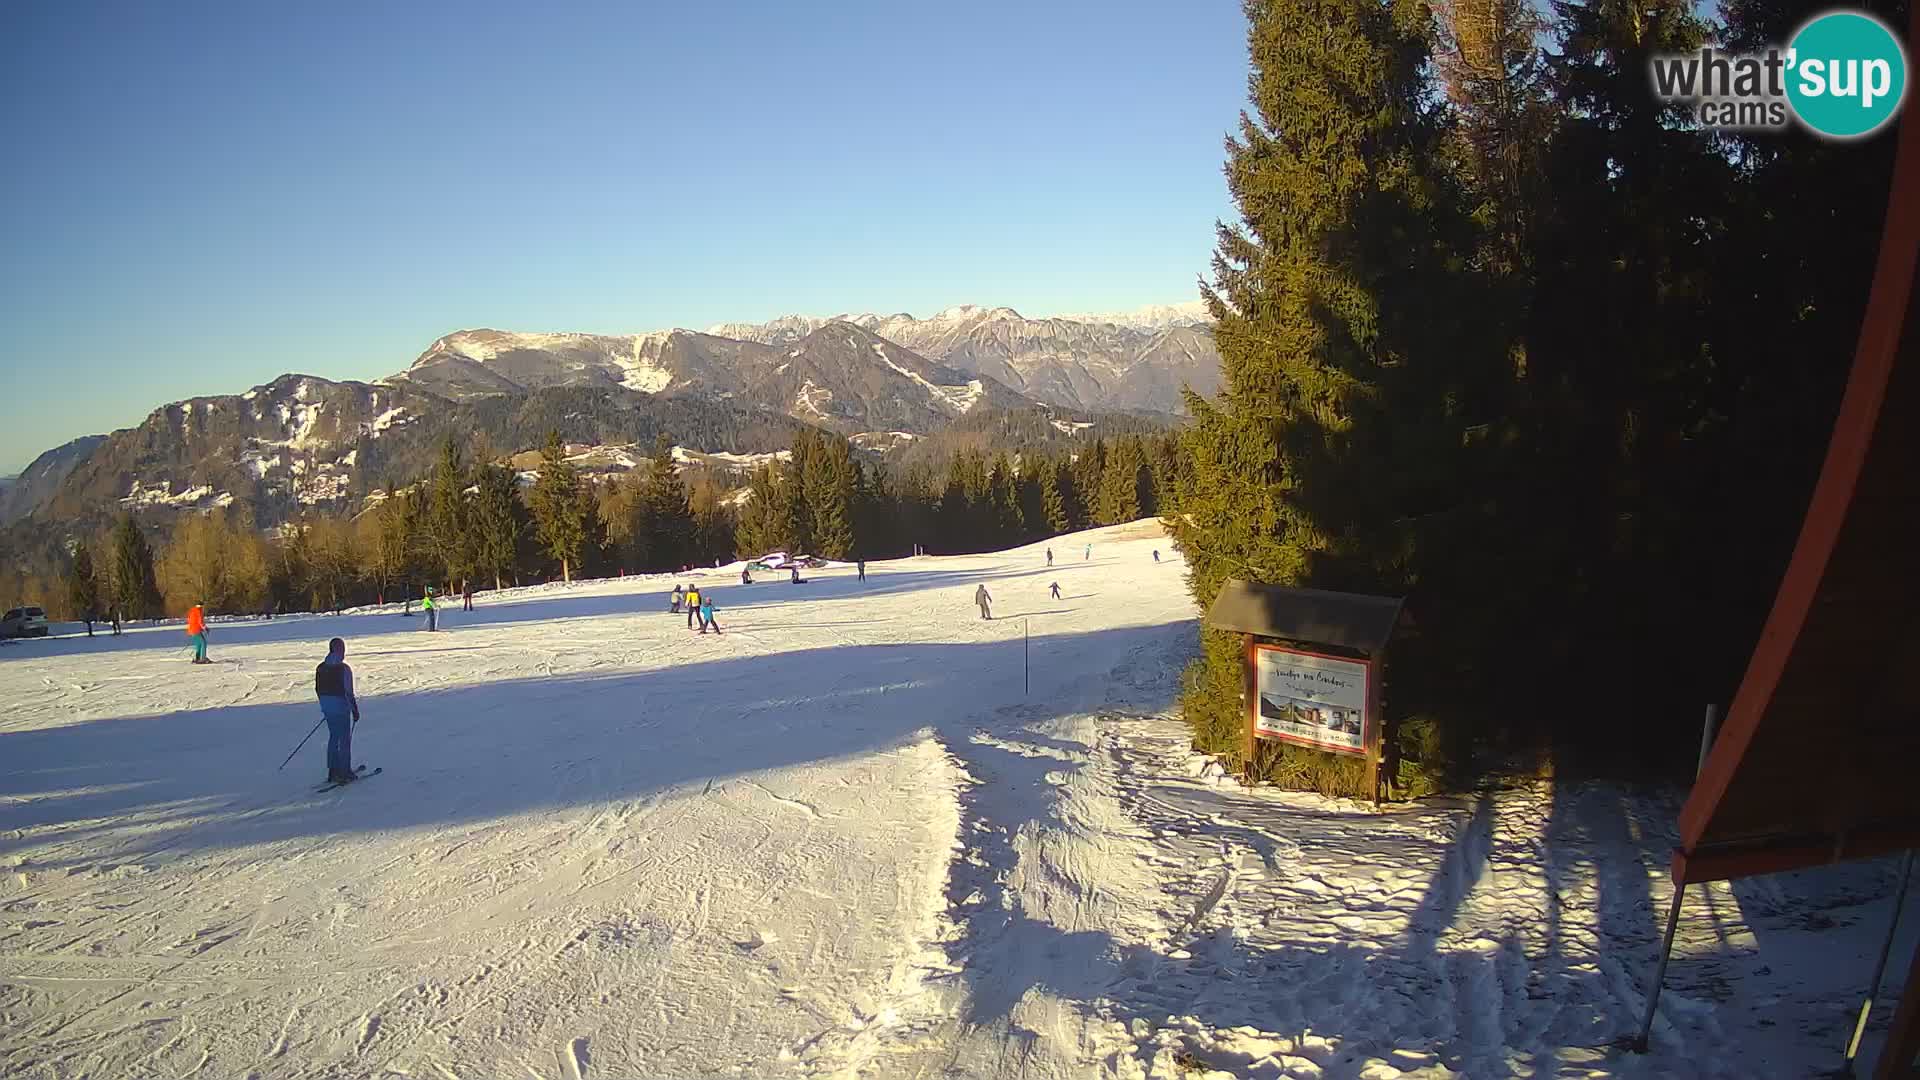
<point>198,197</point>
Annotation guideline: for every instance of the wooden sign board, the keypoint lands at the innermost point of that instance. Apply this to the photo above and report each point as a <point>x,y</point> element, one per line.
<point>1311,699</point>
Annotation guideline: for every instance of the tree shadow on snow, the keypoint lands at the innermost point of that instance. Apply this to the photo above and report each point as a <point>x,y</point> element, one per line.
<point>205,779</point>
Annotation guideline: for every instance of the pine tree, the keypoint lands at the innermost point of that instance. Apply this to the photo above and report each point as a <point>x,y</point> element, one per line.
<point>792,517</point>
<point>134,589</point>
<point>499,521</point>
<point>756,531</point>
<point>1053,502</point>
<point>447,529</point>
<point>1119,500</point>
<point>1298,478</point>
<point>661,526</point>
<point>1006,521</point>
<point>559,518</point>
<point>83,589</point>
<point>829,479</point>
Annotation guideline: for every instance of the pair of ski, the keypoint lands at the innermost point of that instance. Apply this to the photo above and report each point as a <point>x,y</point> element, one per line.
<point>359,773</point>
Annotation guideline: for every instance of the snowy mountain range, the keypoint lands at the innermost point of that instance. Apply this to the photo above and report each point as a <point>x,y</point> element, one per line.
<point>1129,361</point>
<point>302,440</point>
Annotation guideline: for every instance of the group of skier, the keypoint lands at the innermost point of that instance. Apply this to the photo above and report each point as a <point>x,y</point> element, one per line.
<point>697,605</point>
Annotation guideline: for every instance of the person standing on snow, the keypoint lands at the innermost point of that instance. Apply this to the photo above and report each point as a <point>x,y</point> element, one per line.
<point>693,605</point>
<point>466,596</point>
<point>985,601</point>
<point>333,685</point>
<point>432,610</point>
<point>746,578</point>
<point>1156,554</point>
<point>675,599</point>
<point>862,567</point>
<point>706,614</point>
<point>1049,556</point>
<point>197,633</point>
<point>1088,557</point>
<point>1054,589</point>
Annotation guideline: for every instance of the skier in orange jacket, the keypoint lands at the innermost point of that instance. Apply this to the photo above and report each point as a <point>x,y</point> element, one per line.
<point>197,633</point>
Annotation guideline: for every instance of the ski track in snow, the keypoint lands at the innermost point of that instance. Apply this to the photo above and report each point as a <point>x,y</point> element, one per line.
<point>838,840</point>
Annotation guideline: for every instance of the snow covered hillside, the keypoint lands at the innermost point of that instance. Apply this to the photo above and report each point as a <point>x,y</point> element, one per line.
<point>855,835</point>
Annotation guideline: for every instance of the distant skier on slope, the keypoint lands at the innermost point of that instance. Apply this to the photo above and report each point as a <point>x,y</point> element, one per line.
<point>985,601</point>
<point>675,599</point>
<point>706,614</point>
<point>197,633</point>
<point>1049,556</point>
<point>466,595</point>
<point>693,605</point>
<point>433,612</point>
<point>1088,557</point>
<point>746,577</point>
<point>1156,554</point>
<point>333,685</point>
<point>1054,590</point>
<point>861,566</point>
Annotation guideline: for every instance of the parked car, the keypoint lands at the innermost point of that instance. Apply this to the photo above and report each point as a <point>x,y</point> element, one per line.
<point>24,622</point>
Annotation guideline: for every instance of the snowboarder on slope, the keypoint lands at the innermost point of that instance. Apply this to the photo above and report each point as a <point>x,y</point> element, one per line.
<point>693,605</point>
<point>333,685</point>
<point>197,633</point>
<point>433,613</point>
<point>706,614</point>
<point>1054,589</point>
<point>980,597</point>
<point>674,600</point>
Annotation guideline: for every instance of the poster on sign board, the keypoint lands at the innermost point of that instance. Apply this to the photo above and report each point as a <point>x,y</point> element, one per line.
<point>1310,699</point>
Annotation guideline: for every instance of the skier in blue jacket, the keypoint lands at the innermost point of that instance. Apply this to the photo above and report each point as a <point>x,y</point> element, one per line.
<point>333,683</point>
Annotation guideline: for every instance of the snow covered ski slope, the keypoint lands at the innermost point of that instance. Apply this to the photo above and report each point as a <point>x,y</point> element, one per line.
<point>841,839</point>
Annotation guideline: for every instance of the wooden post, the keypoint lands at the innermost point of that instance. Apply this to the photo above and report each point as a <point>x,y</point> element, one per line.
<point>1251,690</point>
<point>1376,729</point>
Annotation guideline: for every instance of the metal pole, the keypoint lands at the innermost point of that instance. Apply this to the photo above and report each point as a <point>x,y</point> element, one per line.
<point>1673,913</point>
<point>1660,973</point>
<point>1707,731</point>
<point>303,742</point>
<point>1879,969</point>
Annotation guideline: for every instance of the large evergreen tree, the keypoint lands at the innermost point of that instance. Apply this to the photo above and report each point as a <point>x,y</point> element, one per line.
<point>559,516</point>
<point>1005,518</point>
<point>134,589</point>
<point>1053,501</point>
<point>499,522</point>
<point>83,587</point>
<point>757,531</point>
<point>829,479</point>
<point>448,531</point>
<point>1298,475</point>
<point>665,514</point>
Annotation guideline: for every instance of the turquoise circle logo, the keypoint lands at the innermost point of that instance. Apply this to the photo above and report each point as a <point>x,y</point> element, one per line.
<point>1847,74</point>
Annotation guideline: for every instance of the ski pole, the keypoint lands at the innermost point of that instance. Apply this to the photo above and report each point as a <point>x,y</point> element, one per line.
<point>303,742</point>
